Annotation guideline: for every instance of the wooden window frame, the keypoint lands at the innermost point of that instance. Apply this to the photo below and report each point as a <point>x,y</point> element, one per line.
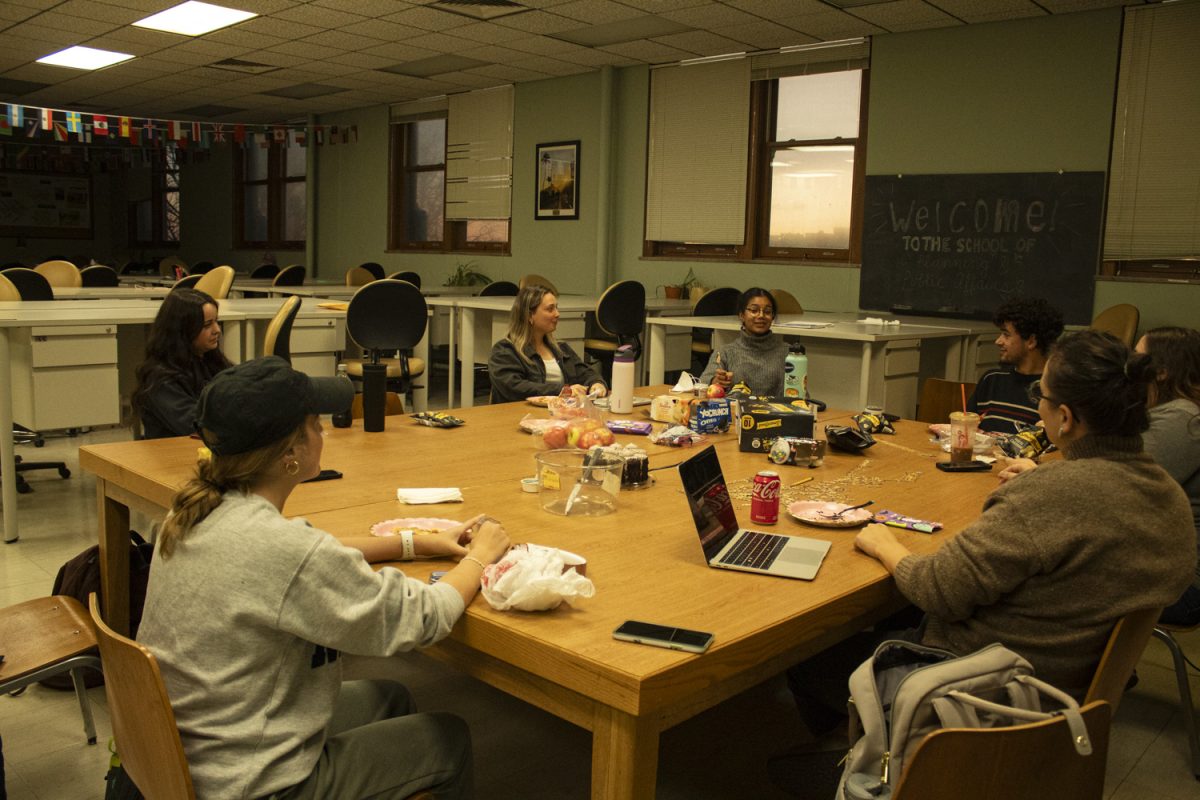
<point>763,102</point>
<point>277,181</point>
<point>454,232</point>
<point>159,189</point>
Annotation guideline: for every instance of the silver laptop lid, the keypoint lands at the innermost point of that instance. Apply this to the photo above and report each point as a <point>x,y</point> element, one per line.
<point>709,500</point>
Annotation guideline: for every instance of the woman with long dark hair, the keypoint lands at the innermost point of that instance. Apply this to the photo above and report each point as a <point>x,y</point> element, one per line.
<point>756,358</point>
<point>183,354</point>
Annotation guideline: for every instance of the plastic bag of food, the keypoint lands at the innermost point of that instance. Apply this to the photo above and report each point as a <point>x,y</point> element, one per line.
<point>535,578</point>
<point>677,436</point>
<point>582,432</point>
<point>573,402</point>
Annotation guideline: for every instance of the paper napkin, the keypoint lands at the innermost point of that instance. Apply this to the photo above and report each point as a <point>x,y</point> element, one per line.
<point>422,496</point>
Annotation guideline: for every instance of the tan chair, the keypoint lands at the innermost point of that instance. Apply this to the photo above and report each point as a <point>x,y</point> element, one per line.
<point>143,721</point>
<point>533,279</point>
<point>939,398</point>
<point>1121,655</point>
<point>291,276</point>
<point>278,340</point>
<point>44,637</point>
<point>786,302</point>
<point>63,274</point>
<point>216,283</point>
<point>1021,762</point>
<point>166,266</point>
<point>1166,634</point>
<point>357,276</point>
<point>8,291</point>
<point>1120,320</point>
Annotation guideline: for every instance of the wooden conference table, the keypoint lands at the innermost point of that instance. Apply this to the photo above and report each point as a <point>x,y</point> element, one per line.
<point>645,561</point>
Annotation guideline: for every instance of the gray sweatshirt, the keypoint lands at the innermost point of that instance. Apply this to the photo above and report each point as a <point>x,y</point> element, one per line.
<point>247,619</point>
<point>1174,442</point>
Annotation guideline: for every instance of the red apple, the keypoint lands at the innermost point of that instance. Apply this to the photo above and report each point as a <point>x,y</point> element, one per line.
<point>715,390</point>
<point>604,436</point>
<point>555,437</point>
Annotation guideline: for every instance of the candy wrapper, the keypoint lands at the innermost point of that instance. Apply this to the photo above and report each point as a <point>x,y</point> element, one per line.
<point>636,427</point>
<point>1029,442</point>
<point>677,436</point>
<point>870,422</point>
<point>438,419</point>
<point>797,451</point>
<point>847,439</point>
<point>908,523</point>
<point>535,578</point>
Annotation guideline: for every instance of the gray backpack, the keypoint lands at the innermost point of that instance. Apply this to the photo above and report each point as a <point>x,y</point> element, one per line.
<point>906,691</point>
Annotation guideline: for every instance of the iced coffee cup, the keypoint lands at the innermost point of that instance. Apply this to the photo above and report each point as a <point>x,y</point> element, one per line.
<point>963,425</point>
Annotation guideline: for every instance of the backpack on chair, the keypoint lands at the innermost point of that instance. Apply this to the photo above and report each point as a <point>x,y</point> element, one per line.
<point>906,691</point>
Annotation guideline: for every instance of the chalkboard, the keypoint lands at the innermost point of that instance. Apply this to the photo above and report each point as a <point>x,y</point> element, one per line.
<point>45,205</point>
<point>959,245</point>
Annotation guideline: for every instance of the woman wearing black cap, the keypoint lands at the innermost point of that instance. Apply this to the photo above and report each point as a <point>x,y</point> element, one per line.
<point>248,612</point>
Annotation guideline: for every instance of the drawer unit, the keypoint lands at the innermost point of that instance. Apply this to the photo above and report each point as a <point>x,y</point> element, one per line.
<point>66,377</point>
<point>314,344</point>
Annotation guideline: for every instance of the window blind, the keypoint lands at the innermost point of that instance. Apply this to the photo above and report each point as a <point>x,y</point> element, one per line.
<point>698,151</point>
<point>1154,180</point>
<point>479,155</point>
<point>812,59</point>
<point>428,108</point>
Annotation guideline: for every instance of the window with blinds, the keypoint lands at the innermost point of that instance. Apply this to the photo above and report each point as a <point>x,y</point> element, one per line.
<point>759,156</point>
<point>1153,223</point>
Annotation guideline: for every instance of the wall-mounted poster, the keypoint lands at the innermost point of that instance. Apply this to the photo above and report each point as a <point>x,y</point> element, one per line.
<point>45,205</point>
<point>557,181</point>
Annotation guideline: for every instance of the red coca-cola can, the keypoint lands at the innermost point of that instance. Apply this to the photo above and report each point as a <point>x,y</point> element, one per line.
<point>764,498</point>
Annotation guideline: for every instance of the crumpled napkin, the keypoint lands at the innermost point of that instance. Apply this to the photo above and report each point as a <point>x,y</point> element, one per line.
<point>879,321</point>
<point>687,383</point>
<point>537,578</point>
<point>421,496</point>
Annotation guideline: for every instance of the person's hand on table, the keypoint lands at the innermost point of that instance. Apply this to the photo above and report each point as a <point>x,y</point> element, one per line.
<point>448,542</point>
<point>879,542</point>
<point>489,541</point>
<point>1015,467</point>
<point>598,390</point>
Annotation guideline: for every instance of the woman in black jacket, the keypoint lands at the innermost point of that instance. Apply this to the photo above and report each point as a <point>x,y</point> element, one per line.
<point>182,355</point>
<point>529,362</point>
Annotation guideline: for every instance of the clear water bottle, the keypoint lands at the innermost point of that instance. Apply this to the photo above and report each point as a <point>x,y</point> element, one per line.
<point>342,419</point>
<point>621,399</point>
<point>795,373</point>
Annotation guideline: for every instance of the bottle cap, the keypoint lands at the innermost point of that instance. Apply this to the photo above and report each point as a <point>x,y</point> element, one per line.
<point>795,347</point>
<point>624,353</point>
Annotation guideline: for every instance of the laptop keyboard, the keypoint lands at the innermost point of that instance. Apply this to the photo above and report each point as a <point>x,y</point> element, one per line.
<point>754,549</point>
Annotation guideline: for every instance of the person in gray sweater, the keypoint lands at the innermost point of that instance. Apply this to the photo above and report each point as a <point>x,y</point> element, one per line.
<point>248,613</point>
<point>756,358</point>
<point>1062,552</point>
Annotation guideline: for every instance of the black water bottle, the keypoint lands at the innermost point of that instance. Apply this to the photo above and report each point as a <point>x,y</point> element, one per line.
<point>342,419</point>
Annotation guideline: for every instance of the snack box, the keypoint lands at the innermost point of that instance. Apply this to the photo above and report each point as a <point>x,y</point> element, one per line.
<point>709,415</point>
<point>669,408</point>
<point>762,420</point>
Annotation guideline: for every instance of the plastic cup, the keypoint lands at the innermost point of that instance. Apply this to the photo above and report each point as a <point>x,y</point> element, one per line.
<point>574,483</point>
<point>963,425</point>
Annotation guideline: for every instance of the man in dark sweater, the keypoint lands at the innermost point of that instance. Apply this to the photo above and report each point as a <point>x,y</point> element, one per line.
<point>1028,327</point>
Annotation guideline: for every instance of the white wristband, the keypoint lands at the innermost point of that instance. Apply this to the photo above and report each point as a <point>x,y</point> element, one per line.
<point>406,541</point>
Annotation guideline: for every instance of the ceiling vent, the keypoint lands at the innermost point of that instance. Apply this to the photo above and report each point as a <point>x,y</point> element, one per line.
<point>244,67</point>
<point>479,9</point>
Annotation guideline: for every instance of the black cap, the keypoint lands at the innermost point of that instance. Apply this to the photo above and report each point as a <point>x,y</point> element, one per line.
<point>253,404</point>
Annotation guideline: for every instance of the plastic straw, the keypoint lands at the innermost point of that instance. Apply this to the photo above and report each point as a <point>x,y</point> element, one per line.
<point>963,387</point>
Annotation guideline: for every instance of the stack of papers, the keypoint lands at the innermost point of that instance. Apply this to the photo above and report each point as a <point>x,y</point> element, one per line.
<point>423,496</point>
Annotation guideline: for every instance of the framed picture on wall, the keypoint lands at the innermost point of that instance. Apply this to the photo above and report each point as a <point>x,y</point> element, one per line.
<point>557,181</point>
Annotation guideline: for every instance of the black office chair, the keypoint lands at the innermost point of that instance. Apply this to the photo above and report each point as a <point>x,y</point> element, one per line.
<point>618,320</point>
<point>31,285</point>
<point>264,272</point>
<point>187,282</point>
<point>291,276</point>
<point>500,289</point>
<point>99,275</point>
<point>374,268</point>
<point>407,275</point>
<point>278,341</point>
<point>383,317</point>
<point>201,267</point>
<point>713,303</point>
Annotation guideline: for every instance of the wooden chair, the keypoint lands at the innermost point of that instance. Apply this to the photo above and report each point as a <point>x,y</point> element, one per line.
<point>1021,762</point>
<point>786,302</point>
<point>277,341</point>
<point>1125,646</point>
<point>500,289</point>
<point>939,398</point>
<point>60,273</point>
<point>357,276</point>
<point>143,721</point>
<point>291,276</point>
<point>1166,634</point>
<point>407,275</point>
<point>1120,320</point>
<point>216,283</point>
<point>186,282</point>
<point>99,275</point>
<point>533,279</point>
<point>44,637</point>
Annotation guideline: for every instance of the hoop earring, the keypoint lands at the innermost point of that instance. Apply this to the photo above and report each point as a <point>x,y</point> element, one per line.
<point>292,467</point>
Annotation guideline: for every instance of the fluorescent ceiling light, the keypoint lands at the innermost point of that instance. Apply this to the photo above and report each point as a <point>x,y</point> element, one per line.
<point>194,18</point>
<point>80,57</point>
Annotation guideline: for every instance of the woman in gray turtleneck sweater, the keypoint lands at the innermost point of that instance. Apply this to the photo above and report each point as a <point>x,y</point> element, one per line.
<point>757,357</point>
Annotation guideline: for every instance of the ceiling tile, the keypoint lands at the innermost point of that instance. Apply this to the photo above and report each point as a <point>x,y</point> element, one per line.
<point>246,38</point>
<point>710,16</point>
<point>648,52</point>
<point>11,13</point>
<point>430,19</point>
<point>100,11</point>
<point>597,58</point>
<point>513,74</point>
<point>774,9</point>
<point>382,30</point>
<point>399,52</point>
<point>318,16</point>
<point>542,45</point>
<point>990,10</point>
<point>364,60</point>
<point>596,12</point>
<point>491,34</point>
<point>279,28</point>
<point>368,8</point>
<point>80,26</point>
<point>831,26</point>
<point>306,50</point>
<point>765,35</point>
<point>340,40</point>
<point>441,43</point>
<point>701,43</point>
<point>905,15</point>
<point>538,22</point>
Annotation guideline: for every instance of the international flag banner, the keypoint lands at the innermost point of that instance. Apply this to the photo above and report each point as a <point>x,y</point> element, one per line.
<point>263,140</point>
<point>32,126</point>
<point>218,132</point>
<point>172,130</point>
<point>319,136</point>
<point>16,116</point>
<point>334,134</point>
<point>100,125</point>
<point>47,120</point>
<point>123,126</point>
<point>135,136</point>
<point>239,134</point>
<point>352,135</point>
<point>301,138</point>
<point>196,132</point>
<point>85,135</point>
<point>60,131</point>
<point>148,130</point>
<point>280,134</point>
<point>74,122</point>
<point>5,127</point>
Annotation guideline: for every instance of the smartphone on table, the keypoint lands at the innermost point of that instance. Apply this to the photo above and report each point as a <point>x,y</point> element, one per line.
<point>663,636</point>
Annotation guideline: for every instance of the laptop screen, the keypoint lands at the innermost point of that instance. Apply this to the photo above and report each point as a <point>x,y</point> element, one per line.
<point>708,498</point>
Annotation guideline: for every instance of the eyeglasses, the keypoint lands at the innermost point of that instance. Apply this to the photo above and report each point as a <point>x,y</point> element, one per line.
<point>1037,395</point>
<point>760,311</point>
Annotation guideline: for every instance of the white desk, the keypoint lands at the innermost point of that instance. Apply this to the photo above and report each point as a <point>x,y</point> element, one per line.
<point>110,292</point>
<point>851,364</point>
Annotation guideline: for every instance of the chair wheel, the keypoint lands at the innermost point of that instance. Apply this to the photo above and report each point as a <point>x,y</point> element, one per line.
<point>39,442</point>
<point>64,473</point>
<point>24,488</point>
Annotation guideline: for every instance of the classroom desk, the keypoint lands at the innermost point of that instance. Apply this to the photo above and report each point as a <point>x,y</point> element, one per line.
<point>851,364</point>
<point>645,560</point>
<point>342,292</point>
<point>110,292</point>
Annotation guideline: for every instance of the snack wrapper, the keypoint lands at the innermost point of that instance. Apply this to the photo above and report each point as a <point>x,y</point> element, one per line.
<point>438,419</point>
<point>637,427</point>
<point>535,578</point>
<point>870,422</point>
<point>1029,442</point>
<point>797,451</point>
<point>677,436</point>
<point>908,523</point>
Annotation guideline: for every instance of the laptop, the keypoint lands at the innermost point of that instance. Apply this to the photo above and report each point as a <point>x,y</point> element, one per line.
<point>729,546</point>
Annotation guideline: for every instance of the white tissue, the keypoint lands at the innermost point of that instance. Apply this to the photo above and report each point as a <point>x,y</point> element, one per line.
<point>687,383</point>
<point>422,496</point>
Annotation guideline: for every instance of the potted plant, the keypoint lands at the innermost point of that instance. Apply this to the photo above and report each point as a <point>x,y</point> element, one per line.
<point>674,291</point>
<point>466,273</point>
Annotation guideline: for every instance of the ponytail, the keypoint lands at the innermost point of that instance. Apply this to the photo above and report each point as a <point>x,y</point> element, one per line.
<point>1102,381</point>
